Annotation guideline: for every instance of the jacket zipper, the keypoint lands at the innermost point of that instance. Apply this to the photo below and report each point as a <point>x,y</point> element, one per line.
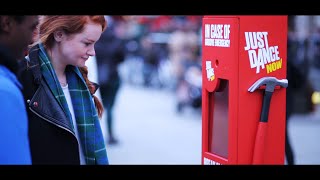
<point>57,125</point>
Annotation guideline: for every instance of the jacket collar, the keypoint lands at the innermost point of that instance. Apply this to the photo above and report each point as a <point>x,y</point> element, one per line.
<point>33,64</point>
<point>44,95</point>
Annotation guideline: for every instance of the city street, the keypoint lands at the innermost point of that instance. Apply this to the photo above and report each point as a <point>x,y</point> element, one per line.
<point>151,132</point>
<point>304,133</point>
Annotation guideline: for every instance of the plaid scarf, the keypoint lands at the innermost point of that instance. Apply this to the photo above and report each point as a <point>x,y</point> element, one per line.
<point>85,112</point>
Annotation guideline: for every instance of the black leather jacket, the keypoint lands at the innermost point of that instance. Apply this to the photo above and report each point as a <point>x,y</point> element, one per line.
<point>52,139</point>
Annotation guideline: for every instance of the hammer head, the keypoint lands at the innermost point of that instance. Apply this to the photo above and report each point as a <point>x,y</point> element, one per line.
<point>270,83</point>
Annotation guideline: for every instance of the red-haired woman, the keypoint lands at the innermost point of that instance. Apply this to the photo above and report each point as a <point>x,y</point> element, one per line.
<point>63,113</point>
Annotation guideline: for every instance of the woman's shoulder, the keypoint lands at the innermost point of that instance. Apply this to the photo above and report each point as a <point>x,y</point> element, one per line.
<point>28,71</point>
<point>31,60</point>
<point>23,64</point>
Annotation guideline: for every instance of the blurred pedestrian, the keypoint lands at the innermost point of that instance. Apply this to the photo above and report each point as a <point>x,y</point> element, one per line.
<point>150,56</point>
<point>288,147</point>
<point>294,77</point>
<point>110,52</point>
<point>64,113</point>
<point>182,45</point>
<point>14,123</point>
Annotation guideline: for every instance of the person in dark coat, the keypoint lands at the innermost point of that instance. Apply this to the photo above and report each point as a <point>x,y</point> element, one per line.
<point>294,77</point>
<point>288,147</point>
<point>110,52</point>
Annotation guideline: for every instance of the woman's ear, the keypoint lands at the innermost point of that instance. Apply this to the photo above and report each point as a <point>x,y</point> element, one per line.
<point>58,35</point>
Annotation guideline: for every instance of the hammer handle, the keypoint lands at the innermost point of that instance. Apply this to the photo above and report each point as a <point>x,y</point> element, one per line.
<point>265,106</point>
<point>259,146</point>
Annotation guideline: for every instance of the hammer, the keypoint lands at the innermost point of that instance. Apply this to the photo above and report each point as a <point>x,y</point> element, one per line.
<point>270,83</point>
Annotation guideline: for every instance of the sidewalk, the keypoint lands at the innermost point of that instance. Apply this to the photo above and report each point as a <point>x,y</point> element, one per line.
<point>150,132</point>
<point>304,132</point>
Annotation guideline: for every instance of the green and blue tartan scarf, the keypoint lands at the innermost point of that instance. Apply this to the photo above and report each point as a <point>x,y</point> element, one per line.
<point>85,112</point>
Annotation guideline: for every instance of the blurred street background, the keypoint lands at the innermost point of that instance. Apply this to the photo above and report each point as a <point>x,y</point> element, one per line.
<point>156,114</point>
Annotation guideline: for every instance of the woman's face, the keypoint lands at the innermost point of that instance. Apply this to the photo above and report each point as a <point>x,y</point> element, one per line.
<point>75,49</point>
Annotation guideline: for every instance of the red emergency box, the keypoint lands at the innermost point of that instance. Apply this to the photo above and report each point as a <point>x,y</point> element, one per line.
<point>237,52</point>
